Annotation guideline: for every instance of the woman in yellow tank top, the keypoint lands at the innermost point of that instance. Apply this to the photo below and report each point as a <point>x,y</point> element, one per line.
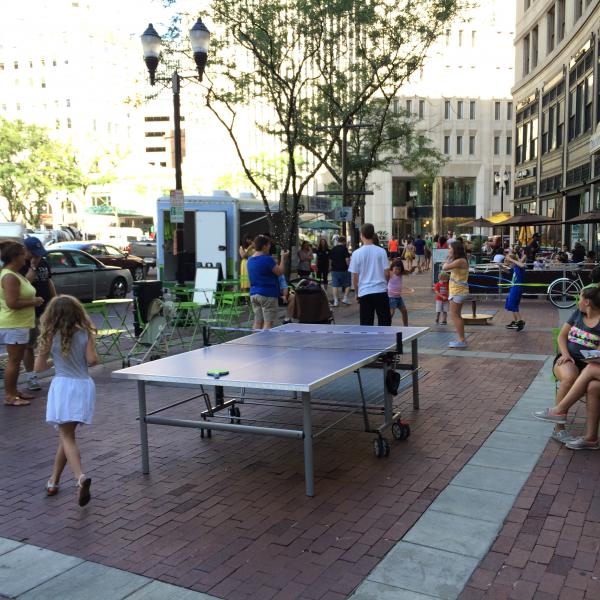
<point>17,317</point>
<point>458,266</point>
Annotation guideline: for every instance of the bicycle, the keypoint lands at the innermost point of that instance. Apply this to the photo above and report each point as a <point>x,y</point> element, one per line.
<point>564,291</point>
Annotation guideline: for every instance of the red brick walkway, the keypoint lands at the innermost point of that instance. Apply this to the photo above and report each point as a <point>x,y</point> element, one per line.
<point>228,516</point>
<point>549,547</point>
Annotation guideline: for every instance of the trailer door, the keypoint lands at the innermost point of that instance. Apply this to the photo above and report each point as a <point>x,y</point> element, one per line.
<point>211,238</point>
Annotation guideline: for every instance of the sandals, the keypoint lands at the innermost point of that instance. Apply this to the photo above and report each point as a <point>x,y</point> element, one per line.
<point>16,401</point>
<point>51,488</point>
<point>84,484</point>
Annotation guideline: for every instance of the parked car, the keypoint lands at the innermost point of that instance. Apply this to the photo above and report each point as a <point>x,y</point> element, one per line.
<point>109,255</point>
<point>77,273</point>
<point>145,249</point>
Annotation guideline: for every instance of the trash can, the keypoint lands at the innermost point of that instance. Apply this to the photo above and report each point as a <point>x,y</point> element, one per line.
<point>143,294</point>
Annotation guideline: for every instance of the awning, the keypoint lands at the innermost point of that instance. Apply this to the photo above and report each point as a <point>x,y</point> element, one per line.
<point>529,219</point>
<point>477,223</point>
<point>499,218</point>
<point>318,224</point>
<point>588,217</point>
<point>112,210</point>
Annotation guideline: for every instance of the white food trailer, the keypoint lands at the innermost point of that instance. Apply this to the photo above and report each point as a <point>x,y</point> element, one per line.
<point>213,229</point>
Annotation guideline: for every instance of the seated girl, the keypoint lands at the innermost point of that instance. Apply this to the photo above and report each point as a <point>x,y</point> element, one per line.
<point>580,332</point>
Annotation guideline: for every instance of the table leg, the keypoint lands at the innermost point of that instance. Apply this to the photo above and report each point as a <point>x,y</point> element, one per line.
<point>415,372</point>
<point>308,445</point>
<point>388,399</point>
<point>143,426</point>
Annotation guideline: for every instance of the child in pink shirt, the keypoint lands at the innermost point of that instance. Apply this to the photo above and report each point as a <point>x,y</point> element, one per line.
<point>441,298</point>
<point>395,290</point>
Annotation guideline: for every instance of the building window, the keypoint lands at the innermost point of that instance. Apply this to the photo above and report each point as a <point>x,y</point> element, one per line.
<point>578,9</point>
<point>460,37</point>
<point>553,109</point>
<point>43,83</point>
<point>1,66</point>
<point>497,111</point>
<point>156,149</point>
<point>459,109</point>
<point>526,55</point>
<point>496,145</point>
<point>154,134</point>
<point>447,37</point>
<point>458,192</point>
<point>534,47</point>
<point>581,79</point>
<point>527,133</point>
<point>473,38</point>
<point>68,103</point>
<point>459,144</point>
<point>395,106</point>
<point>509,145</point>
<point>471,145</point>
<point>446,144</point>
<point>550,29</point>
<point>421,109</point>
<point>409,107</point>
<point>16,64</point>
<point>509,108</point>
<point>68,123</point>
<point>57,124</point>
<point>560,23</point>
<point>447,109</point>
<point>152,119</point>
<point>472,109</point>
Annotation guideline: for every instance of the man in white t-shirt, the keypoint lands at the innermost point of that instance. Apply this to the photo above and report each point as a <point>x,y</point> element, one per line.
<point>370,273</point>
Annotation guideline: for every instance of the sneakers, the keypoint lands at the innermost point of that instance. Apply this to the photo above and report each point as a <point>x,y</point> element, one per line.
<point>581,443</point>
<point>516,325</point>
<point>520,325</point>
<point>457,344</point>
<point>345,300</point>
<point>562,436</point>
<point>548,415</point>
<point>33,384</point>
<point>335,302</point>
<point>512,325</point>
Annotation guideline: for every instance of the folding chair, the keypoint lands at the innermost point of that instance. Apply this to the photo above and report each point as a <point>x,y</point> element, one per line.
<point>107,337</point>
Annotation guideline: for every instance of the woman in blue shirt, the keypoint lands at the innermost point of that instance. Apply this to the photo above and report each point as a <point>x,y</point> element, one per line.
<point>264,272</point>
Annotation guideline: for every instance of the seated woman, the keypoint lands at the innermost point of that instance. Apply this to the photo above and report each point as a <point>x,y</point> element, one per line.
<point>588,383</point>
<point>580,332</point>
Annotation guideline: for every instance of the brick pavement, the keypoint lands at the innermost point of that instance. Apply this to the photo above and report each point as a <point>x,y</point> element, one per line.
<point>228,516</point>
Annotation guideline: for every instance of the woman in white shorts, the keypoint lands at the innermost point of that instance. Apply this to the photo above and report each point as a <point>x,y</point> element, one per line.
<point>458,267</point>
<point>17,317</point>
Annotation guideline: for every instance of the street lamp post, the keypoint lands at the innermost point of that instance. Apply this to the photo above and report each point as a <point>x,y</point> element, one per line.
<point>151,46</point>
<point>501,179</point>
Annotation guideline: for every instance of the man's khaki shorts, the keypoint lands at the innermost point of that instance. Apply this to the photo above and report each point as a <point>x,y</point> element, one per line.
<point>264,307</point>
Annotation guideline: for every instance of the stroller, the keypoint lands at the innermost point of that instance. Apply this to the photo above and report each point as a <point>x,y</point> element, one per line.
<point>309,303</point>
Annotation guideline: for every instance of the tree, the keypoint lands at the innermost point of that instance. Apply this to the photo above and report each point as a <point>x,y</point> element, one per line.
<point>302,64</point>
<point>385,136</point>
<point>31,166</point>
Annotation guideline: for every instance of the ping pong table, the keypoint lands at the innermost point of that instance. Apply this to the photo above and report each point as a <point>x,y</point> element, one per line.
<point>296,358</point>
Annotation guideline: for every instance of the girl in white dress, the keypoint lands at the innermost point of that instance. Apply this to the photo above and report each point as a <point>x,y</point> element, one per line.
<point>69,335</point>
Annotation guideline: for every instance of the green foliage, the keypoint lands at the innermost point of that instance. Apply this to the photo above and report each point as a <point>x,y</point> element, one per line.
<point>31,166</point>
<point>306,67</point>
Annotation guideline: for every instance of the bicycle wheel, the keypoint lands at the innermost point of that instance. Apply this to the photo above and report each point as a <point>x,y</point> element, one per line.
<point>563,292</point>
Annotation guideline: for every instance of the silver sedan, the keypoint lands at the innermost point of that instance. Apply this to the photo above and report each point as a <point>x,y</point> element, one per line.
<point>77,273</point>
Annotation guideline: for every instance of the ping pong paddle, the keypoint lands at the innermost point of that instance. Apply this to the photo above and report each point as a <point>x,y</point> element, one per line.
<point>216,373</point>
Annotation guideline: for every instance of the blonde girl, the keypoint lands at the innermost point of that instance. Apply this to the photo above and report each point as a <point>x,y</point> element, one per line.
<point>69,335</point>
<point>458,267</point>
